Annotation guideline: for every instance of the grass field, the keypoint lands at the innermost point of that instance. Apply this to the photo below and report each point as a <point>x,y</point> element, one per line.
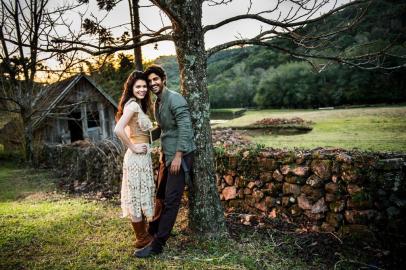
<point>41,228</point>
<point>372,129</point>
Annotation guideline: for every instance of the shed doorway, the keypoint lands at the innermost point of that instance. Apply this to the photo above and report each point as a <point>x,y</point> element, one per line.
<point>75,127</point>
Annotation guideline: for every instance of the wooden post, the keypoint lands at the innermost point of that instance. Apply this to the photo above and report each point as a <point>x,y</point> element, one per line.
<point>83,115</point>
<point>112,121</point>
<point>100,108</point>
<point>55,137</point>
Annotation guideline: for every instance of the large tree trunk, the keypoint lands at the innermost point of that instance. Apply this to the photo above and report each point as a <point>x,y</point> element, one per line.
<point>206,214</point>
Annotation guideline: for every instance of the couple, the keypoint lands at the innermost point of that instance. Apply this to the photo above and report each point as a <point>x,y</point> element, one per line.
<point>140,199</point>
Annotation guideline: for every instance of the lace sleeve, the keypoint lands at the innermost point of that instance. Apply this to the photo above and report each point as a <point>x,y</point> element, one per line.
<point>132,105</point>
<point>144,122</point>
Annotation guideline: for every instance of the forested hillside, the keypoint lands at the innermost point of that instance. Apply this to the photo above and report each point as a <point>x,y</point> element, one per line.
<point>260,77</point>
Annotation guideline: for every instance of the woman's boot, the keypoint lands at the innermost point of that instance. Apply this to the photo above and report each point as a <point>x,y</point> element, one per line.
<point>143,238</point>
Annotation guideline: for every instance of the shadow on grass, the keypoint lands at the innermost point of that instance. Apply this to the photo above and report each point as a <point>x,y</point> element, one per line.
<point>321,250</point>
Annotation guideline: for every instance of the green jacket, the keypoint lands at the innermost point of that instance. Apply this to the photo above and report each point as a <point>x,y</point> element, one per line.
<point>173,117</point>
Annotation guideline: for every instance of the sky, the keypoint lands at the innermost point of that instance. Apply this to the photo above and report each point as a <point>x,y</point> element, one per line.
<point>118,20</point>
<point>150,17</point>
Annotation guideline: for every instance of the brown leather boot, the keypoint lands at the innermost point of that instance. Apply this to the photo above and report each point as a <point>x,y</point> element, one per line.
<point>143,238</point>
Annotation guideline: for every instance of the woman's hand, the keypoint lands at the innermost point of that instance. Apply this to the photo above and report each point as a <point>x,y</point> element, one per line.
<point>139,148</point>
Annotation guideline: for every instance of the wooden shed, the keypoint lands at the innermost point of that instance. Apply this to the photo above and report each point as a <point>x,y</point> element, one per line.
<point>74,109</point>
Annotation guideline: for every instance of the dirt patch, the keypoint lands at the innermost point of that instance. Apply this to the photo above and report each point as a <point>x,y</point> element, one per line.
<point>266,131</point>
<point>282,121</point>
<point>229,137</point>
<point>280,126</point>
<point>41,196</point>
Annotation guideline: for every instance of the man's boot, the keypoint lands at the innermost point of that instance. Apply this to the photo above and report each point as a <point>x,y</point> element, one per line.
<point>154,248</point>
<point>143,238</point>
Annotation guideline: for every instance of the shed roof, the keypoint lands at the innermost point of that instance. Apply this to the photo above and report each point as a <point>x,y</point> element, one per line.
<point>54,93</point>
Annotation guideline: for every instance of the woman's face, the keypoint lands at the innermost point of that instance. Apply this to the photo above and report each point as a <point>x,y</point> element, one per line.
<point>140,89</point>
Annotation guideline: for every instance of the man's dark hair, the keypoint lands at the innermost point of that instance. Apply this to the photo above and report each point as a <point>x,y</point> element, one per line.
<point>158,70</point>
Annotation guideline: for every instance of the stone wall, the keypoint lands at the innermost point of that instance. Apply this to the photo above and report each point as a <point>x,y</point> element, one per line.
<point>330,189</point>
<point>84,166</point>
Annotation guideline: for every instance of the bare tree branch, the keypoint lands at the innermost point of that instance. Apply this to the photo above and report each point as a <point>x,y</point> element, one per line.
<point>218,2</point>
<point>105,49</point>
<point>281,23</point>
<point>301,37</point>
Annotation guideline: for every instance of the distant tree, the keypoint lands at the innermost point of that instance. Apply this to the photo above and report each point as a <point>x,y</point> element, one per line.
<point>232,88</point>
<point>289,85</point>
<point>136,31</point>
<point>24,31</point>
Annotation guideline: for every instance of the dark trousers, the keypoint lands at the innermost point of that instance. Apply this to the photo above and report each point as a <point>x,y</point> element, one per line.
<point>170,190</point>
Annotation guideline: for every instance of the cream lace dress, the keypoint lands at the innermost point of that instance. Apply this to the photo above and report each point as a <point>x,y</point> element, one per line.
<point>138,188</point>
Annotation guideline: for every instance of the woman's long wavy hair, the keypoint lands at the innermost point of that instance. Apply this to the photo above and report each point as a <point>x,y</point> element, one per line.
<point>146,103</point>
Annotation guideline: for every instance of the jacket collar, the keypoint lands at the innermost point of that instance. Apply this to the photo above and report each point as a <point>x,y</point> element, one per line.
<point>164,98</point>
<point>164,95</point>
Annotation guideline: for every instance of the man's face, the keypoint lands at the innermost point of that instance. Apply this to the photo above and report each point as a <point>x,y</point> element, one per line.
<point>155,83</point>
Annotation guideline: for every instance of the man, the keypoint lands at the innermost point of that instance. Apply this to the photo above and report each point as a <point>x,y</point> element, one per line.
<point>177,146</point>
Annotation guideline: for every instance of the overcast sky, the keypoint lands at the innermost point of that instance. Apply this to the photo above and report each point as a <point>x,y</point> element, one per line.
<point>211,14</point>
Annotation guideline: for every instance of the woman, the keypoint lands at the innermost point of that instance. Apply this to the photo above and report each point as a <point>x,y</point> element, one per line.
<point>133,128</point>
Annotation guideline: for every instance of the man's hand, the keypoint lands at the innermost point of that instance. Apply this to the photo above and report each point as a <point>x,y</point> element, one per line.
<point>176,163</point>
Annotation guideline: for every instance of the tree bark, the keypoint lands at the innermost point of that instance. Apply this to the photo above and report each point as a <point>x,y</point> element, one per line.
<point>28,137</point>
<point>206,214</point>
<point>135,28</point>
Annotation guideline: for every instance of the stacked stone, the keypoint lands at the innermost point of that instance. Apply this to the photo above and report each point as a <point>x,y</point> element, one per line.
<point>332,189</point>
<point>390,197</point>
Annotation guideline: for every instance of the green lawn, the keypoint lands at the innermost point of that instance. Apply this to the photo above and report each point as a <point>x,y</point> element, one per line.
<point>374,129</point>
<point>42,228</point>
